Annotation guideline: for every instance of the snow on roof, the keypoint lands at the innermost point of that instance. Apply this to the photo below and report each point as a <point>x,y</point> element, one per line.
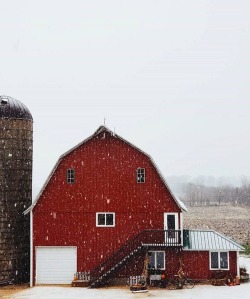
<point>101,129</point>
<point>208,240</point>
<point>181,204</point>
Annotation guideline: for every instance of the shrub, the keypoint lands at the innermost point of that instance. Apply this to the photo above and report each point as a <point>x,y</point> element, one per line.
<point>247,249</point>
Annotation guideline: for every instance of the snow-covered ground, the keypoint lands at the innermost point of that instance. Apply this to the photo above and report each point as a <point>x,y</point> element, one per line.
<point>199,291</point>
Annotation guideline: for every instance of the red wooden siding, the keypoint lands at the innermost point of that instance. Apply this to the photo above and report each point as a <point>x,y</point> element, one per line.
<point>105,181</point>
<point>195,264</point>
<point>198,267</point>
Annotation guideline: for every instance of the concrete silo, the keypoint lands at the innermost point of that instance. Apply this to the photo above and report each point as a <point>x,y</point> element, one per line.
<point>16,147</point>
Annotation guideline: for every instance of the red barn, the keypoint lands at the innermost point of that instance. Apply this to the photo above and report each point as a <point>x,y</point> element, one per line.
<point>104,208</point>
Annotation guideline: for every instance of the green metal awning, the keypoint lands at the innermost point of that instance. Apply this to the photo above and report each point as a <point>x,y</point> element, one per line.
<point>208,240</point>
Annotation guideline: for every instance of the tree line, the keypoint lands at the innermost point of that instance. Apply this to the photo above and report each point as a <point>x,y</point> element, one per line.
<point>198,194</point>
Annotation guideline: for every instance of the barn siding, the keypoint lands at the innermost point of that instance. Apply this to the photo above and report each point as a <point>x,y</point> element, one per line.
<point>105,173</point>
<point>233,262</point>
<point>195,264</point>
<point>198,267</point>
<point>102,175</point>
<point>105,170</point>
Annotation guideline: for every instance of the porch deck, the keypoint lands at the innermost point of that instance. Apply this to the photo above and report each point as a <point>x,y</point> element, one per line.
<point>166,238</point>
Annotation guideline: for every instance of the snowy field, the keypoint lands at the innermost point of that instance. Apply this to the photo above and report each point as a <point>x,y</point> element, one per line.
<point>198,292</point>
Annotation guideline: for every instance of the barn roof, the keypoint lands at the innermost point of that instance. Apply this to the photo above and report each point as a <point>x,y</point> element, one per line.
<point>208,240</point>
<point>100,130</point>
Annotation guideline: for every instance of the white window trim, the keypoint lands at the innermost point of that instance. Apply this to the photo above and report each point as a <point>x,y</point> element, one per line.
<point>181,227</point>
<point>164,259</point>
<point>218,252</point>
<point>97,225</point>
<point>176,220</point>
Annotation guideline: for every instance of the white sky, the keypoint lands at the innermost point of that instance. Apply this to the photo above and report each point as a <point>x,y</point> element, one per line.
<point>172,77</point>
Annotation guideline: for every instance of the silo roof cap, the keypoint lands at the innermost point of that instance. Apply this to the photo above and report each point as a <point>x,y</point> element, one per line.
<point>12,108</point>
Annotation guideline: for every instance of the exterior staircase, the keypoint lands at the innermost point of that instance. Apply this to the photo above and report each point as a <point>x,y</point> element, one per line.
<point>141,242</point>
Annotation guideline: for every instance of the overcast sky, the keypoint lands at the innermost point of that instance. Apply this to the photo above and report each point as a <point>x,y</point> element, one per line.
<point>172,77</point>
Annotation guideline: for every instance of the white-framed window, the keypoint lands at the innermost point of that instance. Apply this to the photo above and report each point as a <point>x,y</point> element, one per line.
<point>171,226</point>
<point>70,176</point>
<point>105,219</point>
<point>219,260</point>
<point>156,260</point>
<point>140,175</point>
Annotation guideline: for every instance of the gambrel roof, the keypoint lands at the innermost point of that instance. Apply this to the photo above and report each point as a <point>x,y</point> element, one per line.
<point>100,130</point>
<point>208,240</point>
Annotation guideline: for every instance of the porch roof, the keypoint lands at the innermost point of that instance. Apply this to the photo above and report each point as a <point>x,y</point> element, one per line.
<point>208,240</point>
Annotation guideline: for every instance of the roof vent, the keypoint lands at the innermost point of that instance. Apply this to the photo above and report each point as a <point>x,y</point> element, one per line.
<point>4,101</point>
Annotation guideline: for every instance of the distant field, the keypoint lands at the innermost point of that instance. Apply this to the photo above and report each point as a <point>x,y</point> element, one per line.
<point>231,221</point>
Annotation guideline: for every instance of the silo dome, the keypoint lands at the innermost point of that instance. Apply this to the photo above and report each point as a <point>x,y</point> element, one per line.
<point>16,155</point>
<point>12,108</point>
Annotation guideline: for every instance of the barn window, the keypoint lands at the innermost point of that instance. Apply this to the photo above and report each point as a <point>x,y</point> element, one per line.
<point>70,176</point>
<point>219,260</point>
<point>156,260</point>
<point>105,219</point>
<point>140,175</point>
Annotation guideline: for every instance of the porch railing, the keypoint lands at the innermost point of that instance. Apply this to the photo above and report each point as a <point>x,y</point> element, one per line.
<point>161,238</point>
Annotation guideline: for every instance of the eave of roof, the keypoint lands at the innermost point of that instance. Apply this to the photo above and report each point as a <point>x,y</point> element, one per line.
<point>208,240</point>
<point>101,129</point>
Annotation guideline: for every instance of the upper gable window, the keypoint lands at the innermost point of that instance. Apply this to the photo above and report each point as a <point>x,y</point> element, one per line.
<point>70,176</point>
<point>140,175</point>
<point>105,219</point>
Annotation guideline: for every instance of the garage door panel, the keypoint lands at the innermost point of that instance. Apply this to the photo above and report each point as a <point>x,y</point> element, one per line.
<point>55,265</point>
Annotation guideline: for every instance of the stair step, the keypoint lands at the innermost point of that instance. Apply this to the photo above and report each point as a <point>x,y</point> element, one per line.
<point>100,281</point>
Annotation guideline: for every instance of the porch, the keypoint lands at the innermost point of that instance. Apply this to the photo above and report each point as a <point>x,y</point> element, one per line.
<point>154,237</point>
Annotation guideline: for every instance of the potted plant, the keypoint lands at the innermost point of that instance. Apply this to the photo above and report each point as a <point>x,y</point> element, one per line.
<point>244,276</point>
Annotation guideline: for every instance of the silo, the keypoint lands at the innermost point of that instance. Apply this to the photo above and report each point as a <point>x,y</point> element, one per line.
<point>16,147</point>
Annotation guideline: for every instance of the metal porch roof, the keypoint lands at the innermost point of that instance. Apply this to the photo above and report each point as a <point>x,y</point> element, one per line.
<point>208,240</point>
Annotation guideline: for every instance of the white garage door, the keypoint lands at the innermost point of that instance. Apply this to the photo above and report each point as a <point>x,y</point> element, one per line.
<point>55,265</point>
